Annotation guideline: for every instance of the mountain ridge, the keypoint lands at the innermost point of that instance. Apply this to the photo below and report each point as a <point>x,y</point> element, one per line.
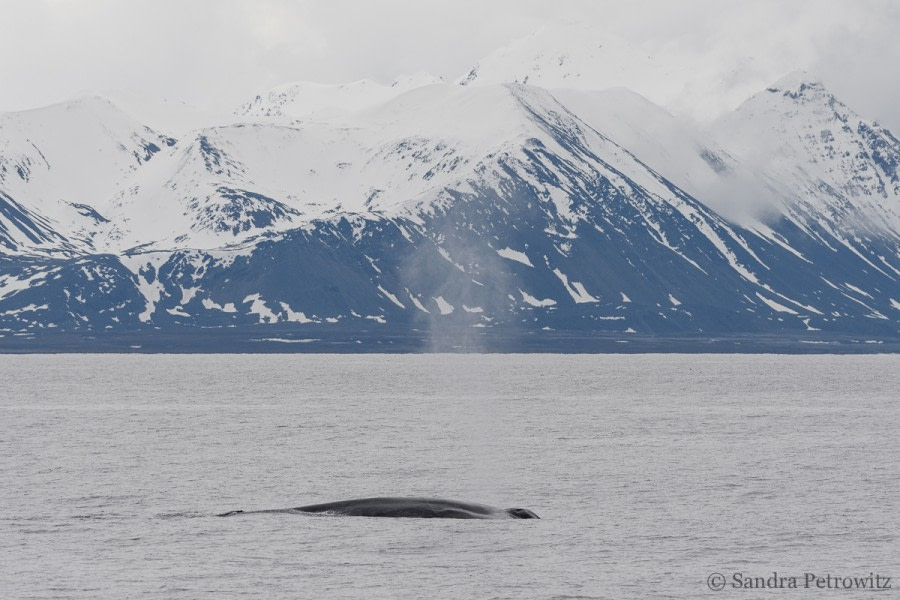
<point>451,213</point>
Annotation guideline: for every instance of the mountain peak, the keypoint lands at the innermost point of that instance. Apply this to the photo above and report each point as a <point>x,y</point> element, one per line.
<point>796,93</point>
<point>799,84</point>
<point>838,167</point>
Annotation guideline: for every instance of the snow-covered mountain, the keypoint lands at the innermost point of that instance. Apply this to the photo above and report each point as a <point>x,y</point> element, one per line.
<point>840,170</point>
<point>441,215</point>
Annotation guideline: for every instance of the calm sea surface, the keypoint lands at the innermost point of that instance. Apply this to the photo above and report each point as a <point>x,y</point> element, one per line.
<point>649,472</point>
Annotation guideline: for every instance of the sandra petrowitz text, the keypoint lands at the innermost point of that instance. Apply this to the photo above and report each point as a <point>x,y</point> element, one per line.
<point>741,580</point>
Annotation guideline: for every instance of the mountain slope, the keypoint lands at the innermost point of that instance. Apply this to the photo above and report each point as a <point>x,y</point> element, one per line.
<point>839,175</point>
<point>23,230</point>
<point>65,161</point>
<point>836,163</point>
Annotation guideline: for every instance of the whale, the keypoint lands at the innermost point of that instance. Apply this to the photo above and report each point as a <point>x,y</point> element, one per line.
<point>410,508</point>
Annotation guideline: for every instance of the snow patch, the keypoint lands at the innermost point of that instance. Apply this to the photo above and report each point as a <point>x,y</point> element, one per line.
<point>858,291</point>
<point>210,305</point>
<point>187,294</point>
<point>445,307</point>
<point>29,308</point>
<point>529,299</point>
<point>418,304</point>
<point>258,307</point>
<point>510,254</point>
<point>391,297</point>
<point>294,317</point>
<point>446,256</point>
<point>372,263</point>
<point>575,289</point>
<point>11,285</point>
<point>775,306</point>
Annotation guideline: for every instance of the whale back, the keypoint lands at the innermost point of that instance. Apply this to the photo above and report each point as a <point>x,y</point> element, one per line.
<point>521,513</point>
<point>420,508</point>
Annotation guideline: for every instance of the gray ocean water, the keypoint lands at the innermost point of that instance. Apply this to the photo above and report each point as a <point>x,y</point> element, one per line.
<point>649,472</point>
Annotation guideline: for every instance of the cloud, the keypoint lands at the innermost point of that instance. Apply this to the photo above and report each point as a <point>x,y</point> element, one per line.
<point>858,61</point>
<point>220,52</point>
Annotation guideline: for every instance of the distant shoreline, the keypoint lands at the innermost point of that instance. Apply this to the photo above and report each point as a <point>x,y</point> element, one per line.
<point>322,340</point>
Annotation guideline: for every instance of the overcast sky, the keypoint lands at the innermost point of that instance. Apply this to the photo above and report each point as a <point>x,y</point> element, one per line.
<point>221,52</point>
